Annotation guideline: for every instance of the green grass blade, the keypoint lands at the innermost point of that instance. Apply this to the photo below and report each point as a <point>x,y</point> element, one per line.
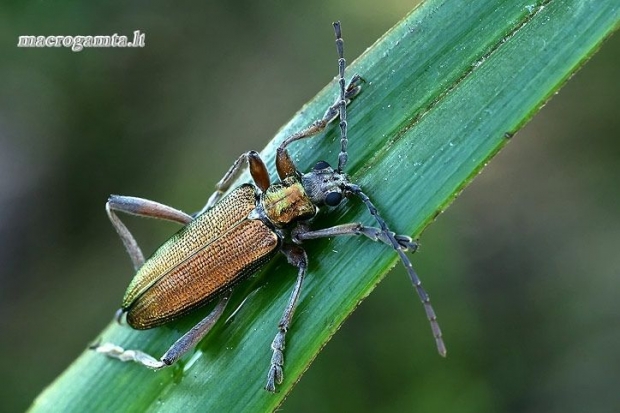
<point>444,90</point>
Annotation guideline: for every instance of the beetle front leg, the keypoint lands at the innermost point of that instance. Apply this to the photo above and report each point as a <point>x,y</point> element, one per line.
<point>296,256</point>
<point>284,163</point>
<point>406,243</point>
<point>144,208</point>
<point>176,351</point>
<point>332,112</point>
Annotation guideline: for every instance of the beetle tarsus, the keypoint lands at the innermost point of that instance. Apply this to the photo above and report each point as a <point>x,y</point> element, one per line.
<point>296,256</point>
<point>114,351</point>
<point>276,373</point>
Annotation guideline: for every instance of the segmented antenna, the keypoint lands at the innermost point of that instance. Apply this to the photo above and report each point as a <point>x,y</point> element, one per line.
<point>355,189</point>
<point>342,156</point>
<point>426,301</point>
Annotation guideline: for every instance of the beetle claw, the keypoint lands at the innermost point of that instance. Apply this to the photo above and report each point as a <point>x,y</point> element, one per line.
<point>406,243</point>
<point>274,377</point>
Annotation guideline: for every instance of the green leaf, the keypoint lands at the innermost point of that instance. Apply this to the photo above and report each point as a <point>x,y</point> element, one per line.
<point>444,91</point>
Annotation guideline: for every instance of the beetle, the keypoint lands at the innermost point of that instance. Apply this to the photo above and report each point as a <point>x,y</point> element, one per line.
<point>235,234</point>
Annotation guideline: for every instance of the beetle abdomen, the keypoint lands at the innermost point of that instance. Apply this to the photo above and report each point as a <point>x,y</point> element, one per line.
<point>217,249</point>
<point>237,254</point>
<point>203,230</point>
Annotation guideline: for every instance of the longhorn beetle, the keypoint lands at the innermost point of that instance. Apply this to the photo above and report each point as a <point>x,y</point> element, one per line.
<point>234,235</point>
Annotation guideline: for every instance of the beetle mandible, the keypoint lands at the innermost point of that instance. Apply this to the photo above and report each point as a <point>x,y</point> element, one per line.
<point>250,224</point>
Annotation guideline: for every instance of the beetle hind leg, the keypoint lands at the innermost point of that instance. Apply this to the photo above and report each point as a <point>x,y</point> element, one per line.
<point>114,351</point>
<point>176,351</point>
<point>258,170</point>
<point>143,208</point>
<point>296,256</point>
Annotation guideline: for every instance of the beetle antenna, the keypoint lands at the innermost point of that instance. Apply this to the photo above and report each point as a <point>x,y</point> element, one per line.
<point>342,156</point>
<point>424,297</point>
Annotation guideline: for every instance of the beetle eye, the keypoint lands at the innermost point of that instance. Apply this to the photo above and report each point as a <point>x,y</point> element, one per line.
<point>333,198</point>
<point>321,165</point>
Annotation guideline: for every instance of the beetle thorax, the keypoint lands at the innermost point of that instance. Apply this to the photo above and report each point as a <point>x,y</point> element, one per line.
<point>287,202</point>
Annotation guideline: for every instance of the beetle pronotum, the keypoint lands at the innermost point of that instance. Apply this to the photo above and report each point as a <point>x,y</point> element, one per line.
<point>251,224</point>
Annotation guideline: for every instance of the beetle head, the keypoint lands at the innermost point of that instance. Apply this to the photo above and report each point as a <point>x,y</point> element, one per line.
<point>324,185</point>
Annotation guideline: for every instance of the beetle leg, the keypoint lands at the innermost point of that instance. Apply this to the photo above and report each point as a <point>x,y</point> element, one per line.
<point>144,208</point>
<point>284,163</point>
<point>296,256</point>
<point>258,170</point>
<point>176,351</point>
<point>376,234</point>
<point>197,333</point>
<point>332,112</point>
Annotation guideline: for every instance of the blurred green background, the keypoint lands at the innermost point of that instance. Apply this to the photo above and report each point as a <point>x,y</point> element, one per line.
<point>523,268</point>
